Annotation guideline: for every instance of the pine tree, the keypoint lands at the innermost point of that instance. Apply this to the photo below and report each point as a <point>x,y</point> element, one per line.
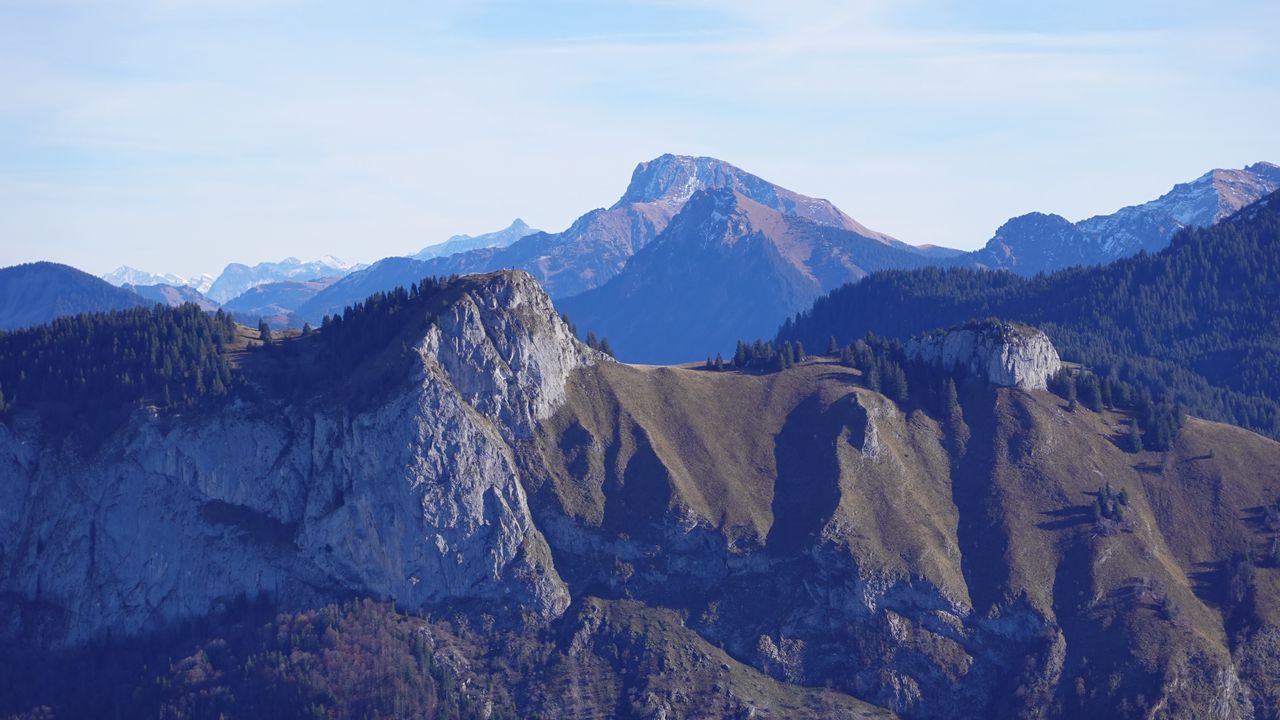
<point>895,382</point>
<point>800,353</point>
<point>306,327</point>
<point>606,348</point>
<point>264,332</point>
<point>1071,393</point>
<point>1135,436</point>
<point>710,365</point>
<point>833,348</point>
<point>1092,393</point>
<point>3,406</point>
<point>950,400</point>
<point>592,341</point>
<point>719,362</point>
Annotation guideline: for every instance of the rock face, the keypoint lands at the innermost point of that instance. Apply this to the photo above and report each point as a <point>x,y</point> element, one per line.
<point>1005,354</point>
<point>417,500</point>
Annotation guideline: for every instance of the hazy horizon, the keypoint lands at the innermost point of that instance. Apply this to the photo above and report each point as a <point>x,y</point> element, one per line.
<point>179,137</point>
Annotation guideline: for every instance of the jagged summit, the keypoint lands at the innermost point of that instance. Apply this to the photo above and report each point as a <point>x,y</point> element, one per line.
<point>672,179</point>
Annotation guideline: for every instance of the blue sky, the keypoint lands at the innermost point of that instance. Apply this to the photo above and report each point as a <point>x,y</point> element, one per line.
<point>180,136</point>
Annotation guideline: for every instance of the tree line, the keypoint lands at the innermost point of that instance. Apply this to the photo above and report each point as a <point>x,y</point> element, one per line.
<point>82,371</point>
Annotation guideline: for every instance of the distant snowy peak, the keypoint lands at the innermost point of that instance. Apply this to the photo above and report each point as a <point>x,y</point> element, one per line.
<point>125,275</point>
<point>237,277</point>
<point>463,243</point>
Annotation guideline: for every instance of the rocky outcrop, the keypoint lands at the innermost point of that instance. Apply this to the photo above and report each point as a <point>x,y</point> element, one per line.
<point>1004,353</point>
<point>418,500</point>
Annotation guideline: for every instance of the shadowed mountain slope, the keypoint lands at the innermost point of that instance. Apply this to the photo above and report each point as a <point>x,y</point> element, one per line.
<point>726,268</point>
<point>39,292</point>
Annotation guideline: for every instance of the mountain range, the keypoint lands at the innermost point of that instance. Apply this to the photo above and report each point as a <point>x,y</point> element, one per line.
<point>599,244</point>
<point>125,275</point>
<point>577,264</point>
<point>462,243</point>
<point>172,295</point>
<point>1038,242</point>
<point>236,278</point>
<point>275,302</point>
<point>552,533</point>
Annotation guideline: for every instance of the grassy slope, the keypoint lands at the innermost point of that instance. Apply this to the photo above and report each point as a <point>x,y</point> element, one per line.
<point>777,460</point>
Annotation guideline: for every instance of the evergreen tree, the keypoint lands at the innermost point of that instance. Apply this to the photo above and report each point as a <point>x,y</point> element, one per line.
<point>710,365</point>
<point>1135,436</point>
<point>605,347</point>
<point>1092,392</point>
<point>800,354</point>
<point>306,327</point>
<point>873,377</point>
<point>951,401</point>
<point>833,348</point>
<point>3,406</point>
<point>592,341</point>
<point>719,362</point>
<point>894,380</point>
<point>264,332</point>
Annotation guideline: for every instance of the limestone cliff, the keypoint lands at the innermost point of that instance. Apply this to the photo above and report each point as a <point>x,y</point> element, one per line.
<point>1004,353</point>
<point>417,499</point>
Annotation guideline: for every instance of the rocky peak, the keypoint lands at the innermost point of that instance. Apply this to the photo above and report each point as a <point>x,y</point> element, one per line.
<point>674,178</point>
<point>505,349</point>
<point>417,498</point>
<point>1004,353</point>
